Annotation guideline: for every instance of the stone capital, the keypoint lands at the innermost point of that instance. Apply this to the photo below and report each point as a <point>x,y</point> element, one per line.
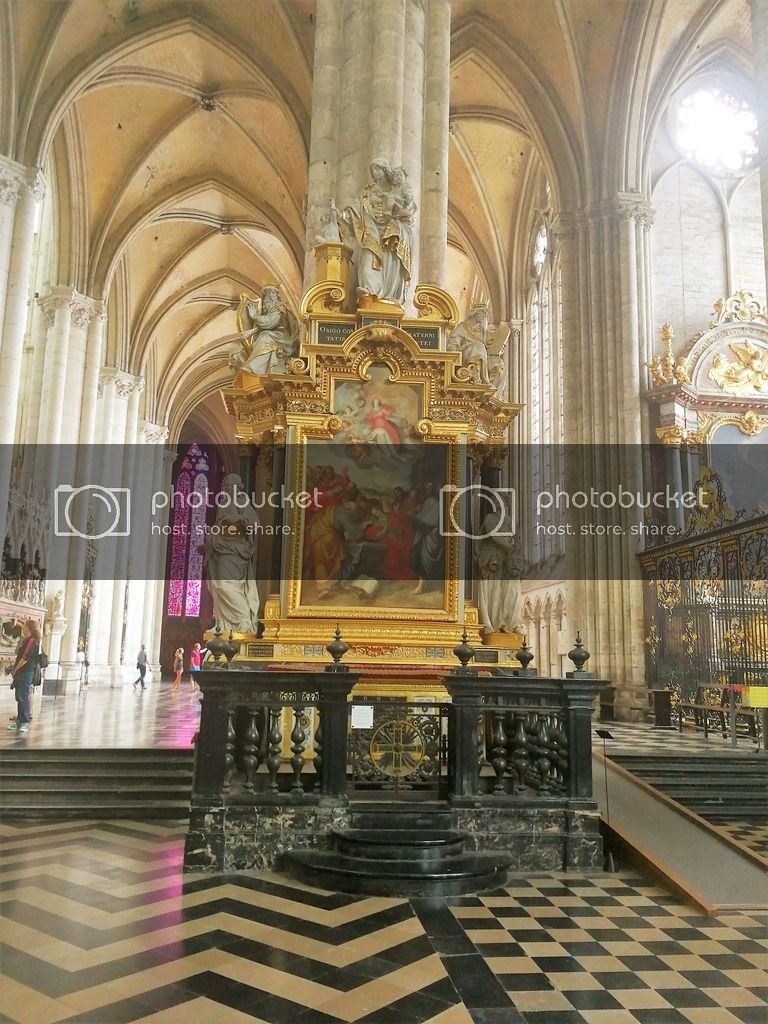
<point>563,226</point>
<point>125,384</point>
<point>10,188</point>
<point>56,298</point>
<point>15,178</point>
<point>632,206</point>
<point>154,433</point>
<point>81,311</point>
<point>82,308</point>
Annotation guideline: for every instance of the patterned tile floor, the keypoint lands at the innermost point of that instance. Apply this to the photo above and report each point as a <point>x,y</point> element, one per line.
<point>752,834</point>
<point>641,738</point>
<point>99,926</point>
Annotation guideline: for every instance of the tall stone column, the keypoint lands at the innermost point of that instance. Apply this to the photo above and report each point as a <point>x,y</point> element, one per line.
<point>165,467</point>
<point>21,189</point>
<point>124,564</point>
<point>760,51</point>
<point>56,305</point>
<point>109,588</point>
<point>155,437</point>
<point>101,605</point>
<point>603,256</point>
<point>434,182</point>
<point>381,89</point>
<point>94,314</point>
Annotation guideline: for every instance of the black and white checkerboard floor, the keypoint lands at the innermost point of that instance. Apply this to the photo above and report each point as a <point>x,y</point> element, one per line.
<point>753,835</point>
<point>642,738</point>
<point>614,949</point>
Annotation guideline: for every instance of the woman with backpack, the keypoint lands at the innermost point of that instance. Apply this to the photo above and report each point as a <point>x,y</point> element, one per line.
<point>25,669</point>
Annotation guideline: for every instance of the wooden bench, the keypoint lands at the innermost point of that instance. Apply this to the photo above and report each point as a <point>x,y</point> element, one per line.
<point>701,712</point>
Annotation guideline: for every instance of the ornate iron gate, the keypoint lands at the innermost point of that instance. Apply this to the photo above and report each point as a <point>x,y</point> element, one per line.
<point>403,750</point>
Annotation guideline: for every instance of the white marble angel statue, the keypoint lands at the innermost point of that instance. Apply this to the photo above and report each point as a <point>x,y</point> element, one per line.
<point>269,334</point>
<point>230,560</point>
<point>500,567</point>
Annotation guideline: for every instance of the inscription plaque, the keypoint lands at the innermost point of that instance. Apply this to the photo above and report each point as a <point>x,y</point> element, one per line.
<point>333,333</point>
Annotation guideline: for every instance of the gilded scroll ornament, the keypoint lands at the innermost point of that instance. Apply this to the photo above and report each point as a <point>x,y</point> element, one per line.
<point>741,306</point>
<point>734,637</point>
<point>675,436</point>
<point>652,640</point>
<point>712,510</point>
<point>690,637</point>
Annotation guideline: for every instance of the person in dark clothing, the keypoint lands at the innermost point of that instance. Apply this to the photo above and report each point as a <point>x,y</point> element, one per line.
<point>142,664</point>
<point>23,672</point>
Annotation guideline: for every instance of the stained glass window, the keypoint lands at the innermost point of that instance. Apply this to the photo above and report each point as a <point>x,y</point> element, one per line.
<point>540,246</point>
<point>189,506</point>
<point>195,559</point>
<point>545,382</point>
<point>717,129</point>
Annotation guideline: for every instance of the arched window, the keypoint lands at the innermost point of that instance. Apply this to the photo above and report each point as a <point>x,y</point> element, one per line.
<point>190,497</point>
<point>545,376</point>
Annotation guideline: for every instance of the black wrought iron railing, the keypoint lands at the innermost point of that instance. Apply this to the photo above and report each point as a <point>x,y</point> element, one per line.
<point>276,737</point>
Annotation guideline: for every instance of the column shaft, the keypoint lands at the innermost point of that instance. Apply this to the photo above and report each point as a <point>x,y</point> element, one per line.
<point>356,47</point>
<point>57,307</point>
<point>20,192</point>
<point>603,265</point>
<point>123,564</point>
<point>85,461</point>
<point>760,51</point>
<point>166,476</point>
<point>155,437</point>
<point>434,174</point>
<point>381,90</point>
<point>326,85</point>
<point>385,115</point>
<point>16,309</point>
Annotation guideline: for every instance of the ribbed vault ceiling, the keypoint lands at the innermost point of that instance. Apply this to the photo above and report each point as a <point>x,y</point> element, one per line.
<point>180,161</point>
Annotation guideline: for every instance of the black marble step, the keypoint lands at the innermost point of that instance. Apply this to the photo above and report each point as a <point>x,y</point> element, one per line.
<point>422,846</point>
<point>379,816</point>
<point>467,873</point>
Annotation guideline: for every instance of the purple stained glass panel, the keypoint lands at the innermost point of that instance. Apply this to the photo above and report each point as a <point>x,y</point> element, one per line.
<point>192,602</point>
<point>179,547</point>
<point>195,560</point>
<point>175,597</point>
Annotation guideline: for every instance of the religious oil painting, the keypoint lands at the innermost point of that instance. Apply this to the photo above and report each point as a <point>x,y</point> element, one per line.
<point>372,535</point>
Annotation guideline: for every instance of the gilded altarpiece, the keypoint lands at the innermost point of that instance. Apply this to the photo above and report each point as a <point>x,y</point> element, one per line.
<point>374,403</point>
<point>707,588</point>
